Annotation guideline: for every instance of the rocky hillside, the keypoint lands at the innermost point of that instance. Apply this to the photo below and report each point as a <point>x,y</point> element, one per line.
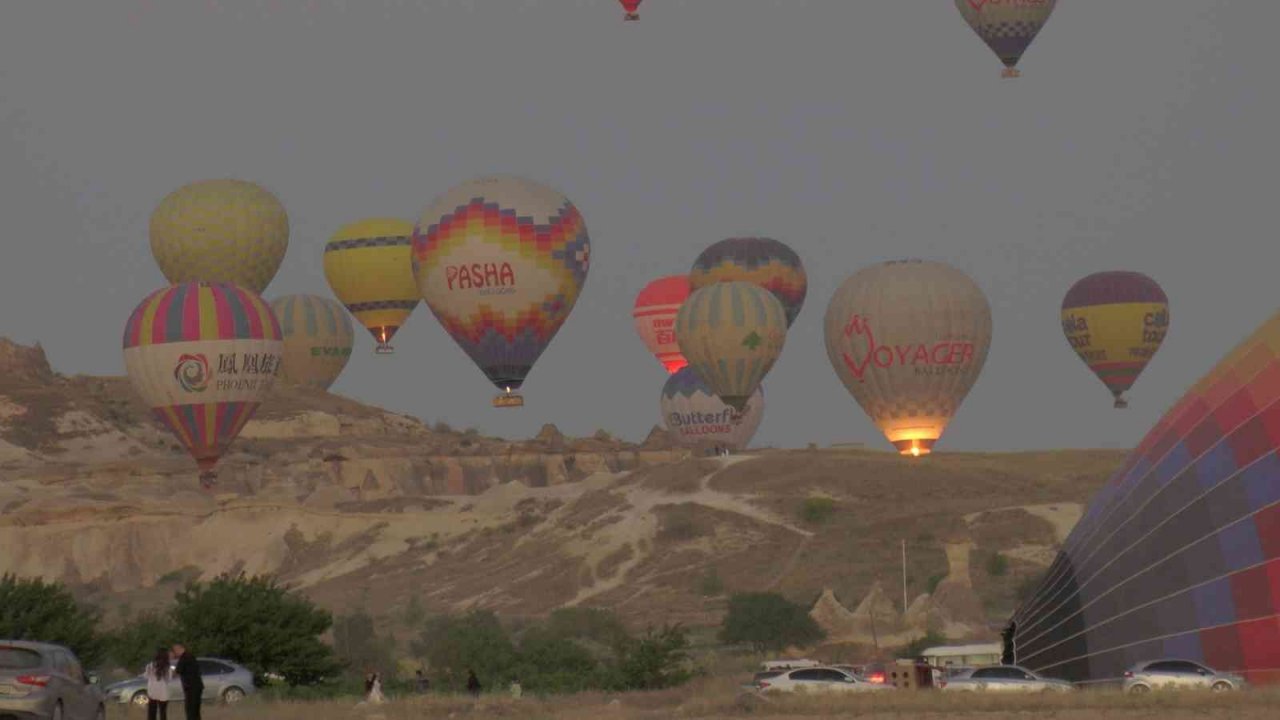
<point>368,509</point>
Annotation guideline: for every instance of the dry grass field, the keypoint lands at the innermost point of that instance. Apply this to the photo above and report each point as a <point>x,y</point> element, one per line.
<point>721,699</point>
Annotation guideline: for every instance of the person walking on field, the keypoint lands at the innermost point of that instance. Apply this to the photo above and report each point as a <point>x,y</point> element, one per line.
<point>192,683</point>
<point>157,673</point>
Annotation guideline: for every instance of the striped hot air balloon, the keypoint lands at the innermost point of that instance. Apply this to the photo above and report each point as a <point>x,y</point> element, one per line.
<point>760,260</point>
<point>228,231</point>
<point>501,261</point>
<point>203,356</point>
<point>1116,321</point>
<point>1178,555</point>
<point>655,318</point>
<point>732,333</point>
<point>1007,26</point>
<point>696,417</point>
<point>317,339</point>
<point>368,266</point>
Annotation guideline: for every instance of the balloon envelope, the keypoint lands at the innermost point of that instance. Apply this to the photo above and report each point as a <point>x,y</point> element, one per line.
<point>203,356</point>
<point>501,261</point>
<point>655,318</point>
<point>1006,26</point>
<point>908,339</point>
<point>317,336</point>
<point>228,231</point>
<point>631,8</point>
<point>732,333</point>
<point>759,260</point>
<point>1178,555</point>
<point>696,417</point>
<point>1116,321</point>
<point>368,266</point>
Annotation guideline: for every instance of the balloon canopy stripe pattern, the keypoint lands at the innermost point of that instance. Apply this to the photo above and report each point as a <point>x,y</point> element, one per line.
<point>318,335</point>
<point>1179,555</point>
<point>311,316</point>
<point>337,245</point>
<point>1108,288</point>
<point>506,344</point>
<point>758,260</point>
<point>200,311</point>
<point>368,268</point>
<point>1007,26</point>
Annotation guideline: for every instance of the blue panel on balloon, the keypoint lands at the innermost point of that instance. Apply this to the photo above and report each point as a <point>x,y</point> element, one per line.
<point>1239,545</point>
<point>1262,481</point>
<point>1218,463</point>
<point>1214,603</point>
<point>1185,646</point>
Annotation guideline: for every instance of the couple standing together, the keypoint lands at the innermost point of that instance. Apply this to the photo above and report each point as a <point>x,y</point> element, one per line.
<point>158,674</point>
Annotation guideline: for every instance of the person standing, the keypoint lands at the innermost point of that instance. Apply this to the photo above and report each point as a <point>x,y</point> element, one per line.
<point>423,684</point>
<point>192,683</point>
<point>473,684</point>
<point>158,672</point>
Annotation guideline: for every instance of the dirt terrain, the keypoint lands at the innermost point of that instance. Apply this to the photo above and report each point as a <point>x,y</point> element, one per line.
<point>365,509</point>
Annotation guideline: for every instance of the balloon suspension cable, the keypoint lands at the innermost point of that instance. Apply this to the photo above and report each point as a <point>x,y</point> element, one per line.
<point>208,479</point>
<point>1011,73</point>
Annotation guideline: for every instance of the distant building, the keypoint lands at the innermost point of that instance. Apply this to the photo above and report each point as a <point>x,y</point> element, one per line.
<point>961,656</point>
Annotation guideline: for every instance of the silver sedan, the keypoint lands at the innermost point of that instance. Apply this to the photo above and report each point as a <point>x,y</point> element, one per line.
<point>1004,678</point>
<point>224,681</point>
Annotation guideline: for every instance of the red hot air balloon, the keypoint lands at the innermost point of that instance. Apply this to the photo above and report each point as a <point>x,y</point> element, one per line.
<point>655,317</point>
<point>632,8</point>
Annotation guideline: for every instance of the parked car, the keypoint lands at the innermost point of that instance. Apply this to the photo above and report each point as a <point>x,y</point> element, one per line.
<point>224,681</point>
<point>818,679</point>
<point>1004,678</point>
<point>41,681</point>
<point>1171,674</point>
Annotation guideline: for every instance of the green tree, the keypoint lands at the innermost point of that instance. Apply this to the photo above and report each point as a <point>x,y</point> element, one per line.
<point>358,645</point>
<point>476,641</point>
<point>31,609</point>
<point>134,644</point>
<point>254,621</point>
<point>549,663</point>
<point>997,565</point>
<point>656,660</point>
<point>816,510</point>
<point>586,623</point>
<point>768,621</point>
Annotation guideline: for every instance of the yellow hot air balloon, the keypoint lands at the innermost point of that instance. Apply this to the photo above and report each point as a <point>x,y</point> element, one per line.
<point>908,339</point>
<point>732,333</point>
<point>228,231</point>
<point>317,339</point>
<point>1116,321</point>
<point>368,266</point>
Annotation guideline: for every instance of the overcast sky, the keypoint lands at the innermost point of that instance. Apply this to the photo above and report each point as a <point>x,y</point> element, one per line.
<point>1141,136</point>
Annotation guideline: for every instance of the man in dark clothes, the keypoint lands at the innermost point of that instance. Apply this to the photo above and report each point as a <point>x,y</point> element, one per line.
<point>473,684</point>
<point>192,684</point>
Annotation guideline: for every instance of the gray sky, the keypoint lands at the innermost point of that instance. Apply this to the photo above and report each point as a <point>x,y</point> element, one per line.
<point>1141,136</point>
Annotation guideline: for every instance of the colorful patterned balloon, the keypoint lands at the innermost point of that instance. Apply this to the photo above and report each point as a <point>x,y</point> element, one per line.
<point>317,339</point>
<point>631,8</point>
<point>1116,321</point>
<point>760,260</point>
<point>501,261</point>
<point>203,356</point>
<point>655,318</point>
<point>228,231</point>
<point>1007,26</point>
<point>908,339</point>
<point>732,333</point>
<point>1178,555</point>
<point>696,417</point>
<point>368,266</point>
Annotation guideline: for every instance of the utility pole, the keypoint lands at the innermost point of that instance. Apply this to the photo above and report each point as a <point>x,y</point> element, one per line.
<point>904,578</point>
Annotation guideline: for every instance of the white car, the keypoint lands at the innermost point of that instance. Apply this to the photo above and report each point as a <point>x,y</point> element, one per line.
<point>1178,675</point>
<point>1004,678</point>
<point>818,679</point>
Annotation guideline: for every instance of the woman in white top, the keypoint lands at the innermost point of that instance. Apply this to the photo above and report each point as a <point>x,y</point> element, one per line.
<point>158,673</point>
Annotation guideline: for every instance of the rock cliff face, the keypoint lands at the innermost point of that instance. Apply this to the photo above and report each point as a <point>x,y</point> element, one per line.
<point>364,508</point>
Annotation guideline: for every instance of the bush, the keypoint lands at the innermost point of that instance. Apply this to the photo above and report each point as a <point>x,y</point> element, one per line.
<point>768,621</point>
<point>358,646</point>
<point>134,645</point>
<point>934,580</point>
<point>31,609</point>
<point>454,645</point>
<point>997,565</point>
<point>254,621</point>
<point>657,660</point>
<point>817,509</point>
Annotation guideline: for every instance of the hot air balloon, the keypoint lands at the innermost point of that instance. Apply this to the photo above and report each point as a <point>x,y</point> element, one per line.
<point>695,417</point>
<point>202,356</point>
<point>655,317</point>
<point>1178,555</point>
<point>1007,26</point>
<point>501,261</point>
<point>908,339</point>
<point>317,339</point>
<point>1116,321</point>
<point>760,260</point>
<point>368,267</point>
<point>732,333</point>
<point>228,231</point>
<point>632,8</point>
